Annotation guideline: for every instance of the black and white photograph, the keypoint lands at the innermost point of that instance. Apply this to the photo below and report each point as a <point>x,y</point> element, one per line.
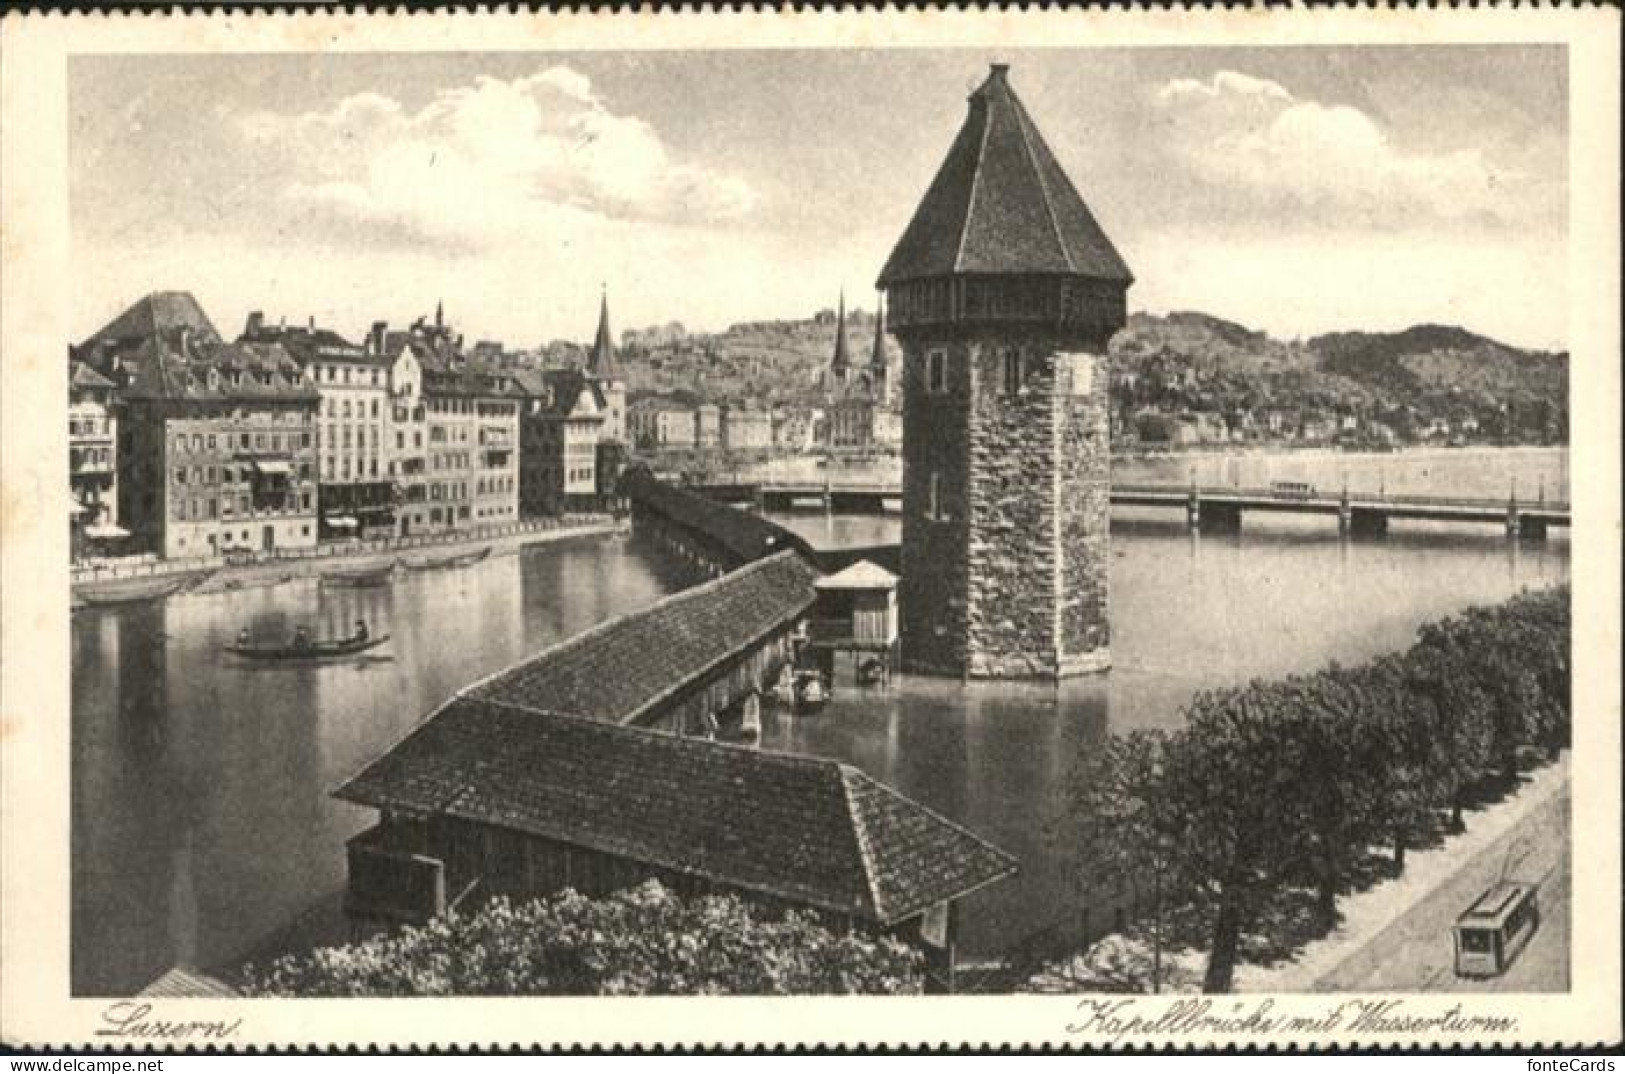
<point>1056,521</point>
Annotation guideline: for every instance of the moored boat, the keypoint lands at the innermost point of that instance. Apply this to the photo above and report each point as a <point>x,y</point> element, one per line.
<point>315,650</point>
<point>440,563</point>
<point>358,577</point>
<point>810,692</point>
<point>135,590</point>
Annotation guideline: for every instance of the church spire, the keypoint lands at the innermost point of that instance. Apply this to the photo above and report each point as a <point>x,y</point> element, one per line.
<point>840,364</point>
<point>440,314</point>
<point>601,362</point>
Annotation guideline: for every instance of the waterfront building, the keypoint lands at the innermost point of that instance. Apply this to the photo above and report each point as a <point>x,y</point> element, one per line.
<point>92,459</point>
<point>707,425</point>
<point>795,428</point>
<point>357,493</point>
<point>578,769</point>
<point>658,423</point>
<point>466,474</point>
<point>565,412</point>
<point>1004,291</point>
<point>217,448</point>
<point>473,444</point>
<point>746,427</point>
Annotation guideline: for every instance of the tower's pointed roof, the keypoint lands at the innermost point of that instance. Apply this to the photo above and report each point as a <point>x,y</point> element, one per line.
<point>1001,204</point>
<point>601,362</point>
<point>877,357</point>
<point>841,362</point>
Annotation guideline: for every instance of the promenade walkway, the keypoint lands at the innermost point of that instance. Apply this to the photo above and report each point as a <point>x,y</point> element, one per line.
<point>304,561</point>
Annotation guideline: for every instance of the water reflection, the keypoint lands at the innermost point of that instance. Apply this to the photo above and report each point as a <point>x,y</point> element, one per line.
<point>202,826</point>
<point>1188,613</point>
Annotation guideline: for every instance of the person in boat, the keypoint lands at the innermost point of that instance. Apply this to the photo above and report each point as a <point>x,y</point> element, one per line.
<point>360,630</point>
<point>812,688</point>
<point>243,636</point>
<point>301,640</point>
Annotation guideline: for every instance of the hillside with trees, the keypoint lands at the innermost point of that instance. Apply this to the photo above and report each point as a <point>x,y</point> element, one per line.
<point>1177,379</point>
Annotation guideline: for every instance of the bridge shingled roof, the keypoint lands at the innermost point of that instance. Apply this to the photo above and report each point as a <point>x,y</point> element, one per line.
<point>801,829</point>
<point>1002,204</point>
<point>745,536</point>
<point>618,670</point>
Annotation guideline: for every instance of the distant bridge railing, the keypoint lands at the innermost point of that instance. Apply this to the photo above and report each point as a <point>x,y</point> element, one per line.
<point>1171,492</point>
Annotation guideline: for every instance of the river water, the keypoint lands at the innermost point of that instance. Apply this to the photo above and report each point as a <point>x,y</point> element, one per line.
<point>203,833</point>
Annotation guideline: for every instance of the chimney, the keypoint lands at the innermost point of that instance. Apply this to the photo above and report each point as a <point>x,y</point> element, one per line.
<point>313,322</point>
<point>375,338</point>
<point>256,322</point>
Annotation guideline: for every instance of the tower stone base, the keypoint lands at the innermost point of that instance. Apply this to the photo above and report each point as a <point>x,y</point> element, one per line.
<point>1006,543</point>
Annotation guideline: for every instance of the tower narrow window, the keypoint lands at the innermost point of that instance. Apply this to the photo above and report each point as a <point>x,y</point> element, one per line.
<point>936,371</point>
<point>933,503</point>
<point>1012,372</point>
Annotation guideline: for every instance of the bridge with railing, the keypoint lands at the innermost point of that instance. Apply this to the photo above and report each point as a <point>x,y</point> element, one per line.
<point>1208,508</point>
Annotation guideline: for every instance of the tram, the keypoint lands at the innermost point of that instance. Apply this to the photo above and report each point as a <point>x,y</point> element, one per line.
<point>1491,932</point>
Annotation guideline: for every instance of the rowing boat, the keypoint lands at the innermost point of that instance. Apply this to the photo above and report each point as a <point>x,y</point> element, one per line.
<point>440,563</point>
<point>316,650</point>
<point>135,590</point>
<point>359,577</point>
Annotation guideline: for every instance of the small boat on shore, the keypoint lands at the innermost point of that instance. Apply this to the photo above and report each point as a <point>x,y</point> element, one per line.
<point>361,577</point>
<point>135,590</point>
<point>234,584</point>
<point>451,562</point>
<point>315,650</point>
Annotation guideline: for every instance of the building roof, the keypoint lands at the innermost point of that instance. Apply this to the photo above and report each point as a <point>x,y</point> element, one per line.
<point>601,359</point>
<point>1001,204</point>
<point>563,393</point>
<point>178,983</point>
<point>863,574</point>
<point>161,311</point>
<point>83,378</point>
<point>746,537</point>
<point>657,403</point>
<point>308,343</point>
<point>617,671</point>
<point>177,366</point>
<point>802,829</point>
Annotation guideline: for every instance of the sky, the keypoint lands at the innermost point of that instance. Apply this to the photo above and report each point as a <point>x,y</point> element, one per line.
<point>1297,190</point>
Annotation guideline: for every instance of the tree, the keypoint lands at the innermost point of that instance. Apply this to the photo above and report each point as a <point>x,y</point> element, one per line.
<point>1337,757</point>
<point>1418,776</point>
<point>1118,826</point>
<point>641,941</point>
<point>1231,798</point>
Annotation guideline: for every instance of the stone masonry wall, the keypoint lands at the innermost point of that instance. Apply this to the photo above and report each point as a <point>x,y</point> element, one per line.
<point>1009,579</point>
<point>1012,555</point>
<point>931,592</point>
<point>1084,492</point>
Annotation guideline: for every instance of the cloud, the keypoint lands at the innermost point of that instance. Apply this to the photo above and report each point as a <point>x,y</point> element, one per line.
<point>1280,155</point>
<point>485,163</point>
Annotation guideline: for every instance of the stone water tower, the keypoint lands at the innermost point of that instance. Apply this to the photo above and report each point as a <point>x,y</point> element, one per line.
<point>1003,292</point>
